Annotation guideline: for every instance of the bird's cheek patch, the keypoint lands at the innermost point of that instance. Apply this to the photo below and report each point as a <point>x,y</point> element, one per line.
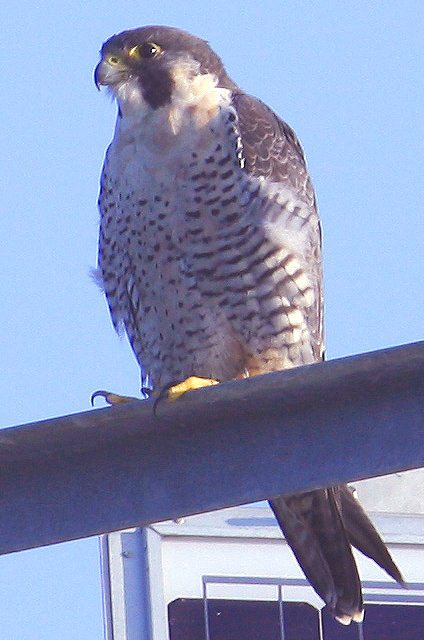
<point>195,96</point>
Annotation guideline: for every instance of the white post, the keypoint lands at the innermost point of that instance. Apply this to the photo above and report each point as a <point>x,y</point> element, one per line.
<point>132,586</point>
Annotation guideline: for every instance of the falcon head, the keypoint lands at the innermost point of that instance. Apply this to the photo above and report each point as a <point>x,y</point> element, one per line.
<point>151,67</point>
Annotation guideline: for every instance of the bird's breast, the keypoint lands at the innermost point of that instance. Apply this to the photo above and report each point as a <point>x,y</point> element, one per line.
<point>212,286</point>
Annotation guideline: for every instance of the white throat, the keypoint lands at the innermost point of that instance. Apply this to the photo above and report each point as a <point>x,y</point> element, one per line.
<point>195,101</point>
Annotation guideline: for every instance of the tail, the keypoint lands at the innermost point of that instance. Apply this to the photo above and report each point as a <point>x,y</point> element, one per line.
<point>320,526</point>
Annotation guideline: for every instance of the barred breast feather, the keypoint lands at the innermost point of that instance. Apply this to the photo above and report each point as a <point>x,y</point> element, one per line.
<point>208,253</point>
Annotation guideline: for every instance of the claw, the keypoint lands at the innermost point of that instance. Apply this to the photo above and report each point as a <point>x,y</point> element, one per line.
<point>111,398</point>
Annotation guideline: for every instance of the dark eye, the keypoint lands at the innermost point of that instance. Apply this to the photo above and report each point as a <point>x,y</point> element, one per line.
<point>145,50</point>
<point>149,50</point>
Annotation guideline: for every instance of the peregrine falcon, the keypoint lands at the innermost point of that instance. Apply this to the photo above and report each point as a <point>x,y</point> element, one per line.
<point>210,258</point>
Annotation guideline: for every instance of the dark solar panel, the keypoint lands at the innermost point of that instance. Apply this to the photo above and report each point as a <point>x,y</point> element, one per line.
<point>259,620</point>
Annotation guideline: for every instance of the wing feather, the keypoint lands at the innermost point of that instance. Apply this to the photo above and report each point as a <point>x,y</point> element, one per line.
<point>271,150</point>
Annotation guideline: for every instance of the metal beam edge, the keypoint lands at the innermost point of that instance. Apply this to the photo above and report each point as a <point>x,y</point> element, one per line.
<point>285,432</point>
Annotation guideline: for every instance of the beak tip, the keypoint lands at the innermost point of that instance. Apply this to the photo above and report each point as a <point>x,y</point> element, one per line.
<point>97,78</point>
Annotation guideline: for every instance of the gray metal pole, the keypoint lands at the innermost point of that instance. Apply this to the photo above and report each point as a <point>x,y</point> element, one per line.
<point>133,601</point>
<point>234,443</point>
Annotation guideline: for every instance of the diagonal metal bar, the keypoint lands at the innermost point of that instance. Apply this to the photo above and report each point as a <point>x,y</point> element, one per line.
<point>113,468</point>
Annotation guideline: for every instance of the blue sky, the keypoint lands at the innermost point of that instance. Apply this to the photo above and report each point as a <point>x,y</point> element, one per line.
<point>346,75</point>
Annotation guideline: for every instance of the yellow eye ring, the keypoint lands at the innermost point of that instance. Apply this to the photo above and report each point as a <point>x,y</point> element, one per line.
<point>145,51</point>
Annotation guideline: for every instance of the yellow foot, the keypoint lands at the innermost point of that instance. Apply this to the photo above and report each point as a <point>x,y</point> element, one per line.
<point>189,384</point>
<point>111,398</point>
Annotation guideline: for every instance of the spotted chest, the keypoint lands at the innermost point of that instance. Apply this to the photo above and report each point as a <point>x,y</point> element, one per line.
<point>188,261</point>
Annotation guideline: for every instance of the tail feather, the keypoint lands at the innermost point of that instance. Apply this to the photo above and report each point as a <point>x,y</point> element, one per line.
<point>363,535</point>
<point>313,527</point>
<point>320,526</point>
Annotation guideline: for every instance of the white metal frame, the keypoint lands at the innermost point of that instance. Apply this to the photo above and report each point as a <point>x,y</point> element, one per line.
<point>234,553</point>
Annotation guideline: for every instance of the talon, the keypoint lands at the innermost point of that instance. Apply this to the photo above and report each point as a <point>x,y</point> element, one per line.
<point>111,398</point>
